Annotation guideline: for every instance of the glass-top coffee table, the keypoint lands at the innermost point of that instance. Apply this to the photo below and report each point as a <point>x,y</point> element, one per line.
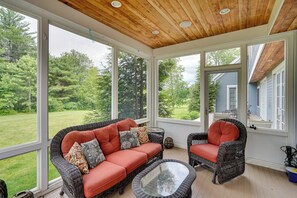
<point>165,178</point>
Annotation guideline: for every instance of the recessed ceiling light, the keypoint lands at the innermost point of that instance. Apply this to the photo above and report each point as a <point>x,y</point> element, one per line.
<point>155,32</point>
<point>116,4</point>
<point>185,24</point>
<point>224,11</point>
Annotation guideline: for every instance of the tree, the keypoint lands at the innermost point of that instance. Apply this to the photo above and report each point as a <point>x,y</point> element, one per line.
<point>15,38</point>
<point>66,74</point>
<point>173,90</point>
<point>132,86</point>
<point>222,57</point>
<point>102,111</point>
<point>26,75</point>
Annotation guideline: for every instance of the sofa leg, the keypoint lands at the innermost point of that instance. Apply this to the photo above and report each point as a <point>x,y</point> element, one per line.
<point>214,177</point>
<point>121,191</point>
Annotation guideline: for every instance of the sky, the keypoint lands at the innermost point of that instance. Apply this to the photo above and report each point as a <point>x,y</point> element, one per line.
<point>61,41</point>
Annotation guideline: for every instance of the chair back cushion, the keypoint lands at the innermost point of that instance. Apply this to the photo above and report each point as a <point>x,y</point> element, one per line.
<point>108,138</point>
<point>75,136</point>
<point>222,131</point>
<point>126,124</point>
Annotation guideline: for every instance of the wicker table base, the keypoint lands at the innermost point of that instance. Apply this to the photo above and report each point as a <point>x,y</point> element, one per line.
<point>165,178</point>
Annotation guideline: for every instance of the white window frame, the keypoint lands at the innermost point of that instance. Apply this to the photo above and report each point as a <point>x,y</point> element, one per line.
<point>278,70</point>
<point>263,98</point>
<point>228,96</point>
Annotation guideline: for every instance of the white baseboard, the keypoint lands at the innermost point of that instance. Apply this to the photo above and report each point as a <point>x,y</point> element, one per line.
<point>271,165</point>
<point>180,145</point>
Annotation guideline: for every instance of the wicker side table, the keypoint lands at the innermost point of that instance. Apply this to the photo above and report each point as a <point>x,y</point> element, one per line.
<point>157,130</point>
<point>165,178</point>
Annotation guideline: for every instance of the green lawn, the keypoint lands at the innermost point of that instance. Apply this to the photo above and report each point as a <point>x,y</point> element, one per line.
<point>182,112</point>
<point>19,172</point>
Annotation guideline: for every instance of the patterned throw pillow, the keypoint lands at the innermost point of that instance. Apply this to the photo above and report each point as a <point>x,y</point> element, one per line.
<point>128,139</point>
<point>142,134</point>
<point>93,153</point>
<point>76,157</point>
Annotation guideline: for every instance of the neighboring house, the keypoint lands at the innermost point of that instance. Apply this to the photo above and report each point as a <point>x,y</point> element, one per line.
<point>266,87</point>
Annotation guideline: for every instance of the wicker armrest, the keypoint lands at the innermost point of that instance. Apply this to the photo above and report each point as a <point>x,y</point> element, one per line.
<point>156,138</point>
<point>230,151</point>
<point>196,136</point>
<point>71,176</point>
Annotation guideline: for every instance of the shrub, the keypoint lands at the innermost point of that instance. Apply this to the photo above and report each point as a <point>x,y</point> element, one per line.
<point>71,106</point>
<point>194,115</point>
<point>55,105</point>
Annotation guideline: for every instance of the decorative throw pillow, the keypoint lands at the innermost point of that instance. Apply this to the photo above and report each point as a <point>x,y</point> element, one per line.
<point>128,139</point>
<point>76,157</point>
<point>142,134</point>
<point>93,153</point>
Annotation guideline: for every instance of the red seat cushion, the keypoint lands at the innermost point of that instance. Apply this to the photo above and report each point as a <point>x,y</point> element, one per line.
<point>222,131</point>
<point>206,151</point>
<point>75,136</point>
<point>108,138</point>
<point>102,177</point>
<point>150,148</point>
<point>128,159</point>
<point>126,124</point>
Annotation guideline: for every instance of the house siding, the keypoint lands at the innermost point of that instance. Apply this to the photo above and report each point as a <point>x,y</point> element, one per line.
<point>252,98</point>
<point>221,97</point>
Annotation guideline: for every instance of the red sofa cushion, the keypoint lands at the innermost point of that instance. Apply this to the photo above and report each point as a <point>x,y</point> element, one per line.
<point>206,151</point>
<point>125,125</point>
<point>108,138</point>
<point>150,148</point>
<point>75,136</point>
<point>222,131</point>
<point>128,159</point>
<point>102,177</point>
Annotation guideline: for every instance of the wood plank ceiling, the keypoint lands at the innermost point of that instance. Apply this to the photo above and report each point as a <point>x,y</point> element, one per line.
<point>287,18</point>
<point>271,56</point>
<point>138,18</point>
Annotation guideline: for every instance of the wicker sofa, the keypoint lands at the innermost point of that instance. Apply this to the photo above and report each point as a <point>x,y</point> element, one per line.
<point>113,174</point>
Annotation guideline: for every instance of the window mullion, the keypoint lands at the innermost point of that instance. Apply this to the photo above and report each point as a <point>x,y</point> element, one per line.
<point>42,110</point>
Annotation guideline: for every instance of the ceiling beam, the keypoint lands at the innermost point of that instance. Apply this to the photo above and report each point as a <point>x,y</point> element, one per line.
<point>274,14</point>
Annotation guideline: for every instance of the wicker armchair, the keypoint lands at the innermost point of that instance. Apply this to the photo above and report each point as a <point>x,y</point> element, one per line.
<point>3,189</point>
<point>230,158</point>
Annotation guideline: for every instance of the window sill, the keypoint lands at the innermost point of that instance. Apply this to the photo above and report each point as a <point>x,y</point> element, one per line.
<point>268,132</point>
<point>182,122</point>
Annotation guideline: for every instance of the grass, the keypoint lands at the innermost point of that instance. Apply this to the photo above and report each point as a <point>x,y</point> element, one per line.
<point>20,172</point>
<point>179,111</point>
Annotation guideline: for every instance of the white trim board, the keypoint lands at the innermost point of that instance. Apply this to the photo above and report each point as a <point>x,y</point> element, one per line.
<point>271,165</point>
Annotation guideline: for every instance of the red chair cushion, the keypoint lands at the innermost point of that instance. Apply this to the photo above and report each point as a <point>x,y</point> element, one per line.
<point>75,136</point>
<point>222,131</point>
<point>126,124</point>
<point>128,159</point>
<point>150,148</point>
<point>102,177</point>
<point>108,138</point>
<point>206,151</point>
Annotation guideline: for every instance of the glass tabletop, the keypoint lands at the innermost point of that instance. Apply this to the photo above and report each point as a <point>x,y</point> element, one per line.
<point>164,179</point>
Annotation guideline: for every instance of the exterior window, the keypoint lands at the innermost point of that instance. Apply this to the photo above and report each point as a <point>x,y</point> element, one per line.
<point>280,99</point>
<point>132,86</point>
<point>266,85</point>
<point>19,172</point>
<point>18,71</point>
<point>223,57</point>
<point>179,88</point>
<point>222,96</point>
<point>79,82</point>
<point>231,97</point>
